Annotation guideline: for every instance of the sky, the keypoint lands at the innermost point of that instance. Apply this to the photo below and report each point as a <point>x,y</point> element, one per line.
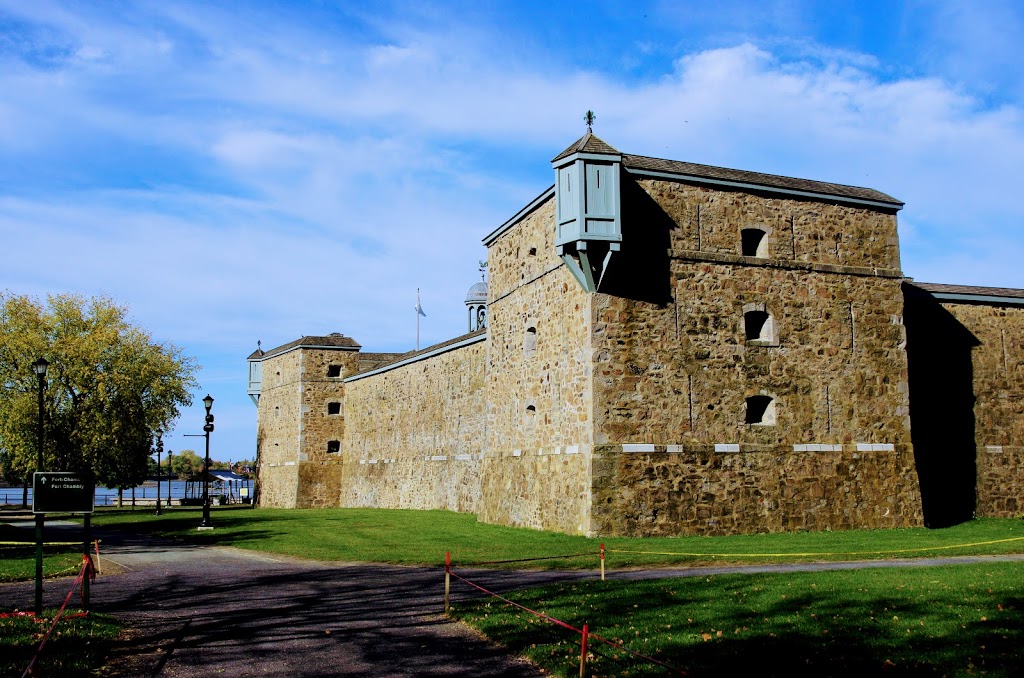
<point>260,171</point>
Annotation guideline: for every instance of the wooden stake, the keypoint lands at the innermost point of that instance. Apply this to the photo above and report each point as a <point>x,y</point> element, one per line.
<point>602,562</point>
<point>447,578</point>
<point>583,651</point>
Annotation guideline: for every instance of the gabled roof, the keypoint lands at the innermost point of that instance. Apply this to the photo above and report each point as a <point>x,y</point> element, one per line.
<point>335,340</point>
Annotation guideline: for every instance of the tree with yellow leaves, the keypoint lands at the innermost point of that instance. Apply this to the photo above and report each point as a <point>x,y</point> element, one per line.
<point>109,388</point>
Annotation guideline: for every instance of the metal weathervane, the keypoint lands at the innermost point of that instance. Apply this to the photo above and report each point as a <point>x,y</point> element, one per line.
<point>589,117</point>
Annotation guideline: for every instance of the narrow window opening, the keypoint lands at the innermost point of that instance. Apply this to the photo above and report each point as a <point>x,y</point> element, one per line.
<point>759,325</point>
<point>760,410</point>
<point>753,243</point>
<point>333,446</point>
<point>533,251</point>
<point>755,325</point>
<point>530,341</point>
<point>334,370</point>
<point>333,408</point>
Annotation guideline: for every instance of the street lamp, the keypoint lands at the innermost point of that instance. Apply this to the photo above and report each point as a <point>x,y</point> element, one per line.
<point>39,367</point>
<point>159,453</point>
<point>170,475</point>
<point>207,429</point>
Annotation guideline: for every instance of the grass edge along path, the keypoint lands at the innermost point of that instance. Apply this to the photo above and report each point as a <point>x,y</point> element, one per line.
<point>78,646</point>
<point>944,621</point>
<point>409,537</point>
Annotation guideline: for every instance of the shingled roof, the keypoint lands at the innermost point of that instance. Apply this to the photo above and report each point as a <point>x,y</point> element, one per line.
<point>334,340</point>
<point>756,179</point>
<point>589,143</point>
<point>969,292</point>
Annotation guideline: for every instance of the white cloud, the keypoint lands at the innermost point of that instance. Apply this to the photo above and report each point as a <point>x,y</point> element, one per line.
<point>235,178</point>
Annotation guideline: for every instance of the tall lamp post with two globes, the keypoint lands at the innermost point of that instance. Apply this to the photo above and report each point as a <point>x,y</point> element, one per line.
<point>207,430</point>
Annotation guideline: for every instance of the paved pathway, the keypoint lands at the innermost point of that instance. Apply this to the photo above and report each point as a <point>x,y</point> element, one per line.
<point>206,610</point>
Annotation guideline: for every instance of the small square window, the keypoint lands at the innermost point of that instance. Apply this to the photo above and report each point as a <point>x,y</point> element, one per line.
<point>333,408</point>
<point>333,446</point>
<point>334,370</point>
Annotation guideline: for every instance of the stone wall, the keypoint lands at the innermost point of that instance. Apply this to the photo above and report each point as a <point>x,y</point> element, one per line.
<point>674,367</point>
<point>648,490</point>
<point>998,385</point>
<point>415,432</point>
<point>702,219</point>
<point>539,388</point>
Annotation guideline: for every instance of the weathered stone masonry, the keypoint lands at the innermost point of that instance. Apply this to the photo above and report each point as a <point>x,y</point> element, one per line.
<point>677,349</point>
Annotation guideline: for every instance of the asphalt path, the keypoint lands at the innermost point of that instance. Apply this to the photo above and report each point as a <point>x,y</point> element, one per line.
<point>213,610</point>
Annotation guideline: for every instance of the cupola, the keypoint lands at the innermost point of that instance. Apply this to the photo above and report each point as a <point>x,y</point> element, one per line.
<point>476,302</point>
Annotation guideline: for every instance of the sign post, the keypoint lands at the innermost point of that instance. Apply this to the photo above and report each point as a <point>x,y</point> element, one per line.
<point>59,492</point>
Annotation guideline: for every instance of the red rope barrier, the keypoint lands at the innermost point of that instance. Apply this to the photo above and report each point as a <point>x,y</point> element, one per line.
<point>526,560</point>
<point>558,622</point>
<point>86,570</point>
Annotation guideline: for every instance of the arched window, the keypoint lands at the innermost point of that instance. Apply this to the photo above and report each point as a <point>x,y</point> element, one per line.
<point>759,326</point>
<point>760,410</point>
<point>754,242</point>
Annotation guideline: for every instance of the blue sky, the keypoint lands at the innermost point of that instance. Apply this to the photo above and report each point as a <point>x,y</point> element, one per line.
<point>243,171</point>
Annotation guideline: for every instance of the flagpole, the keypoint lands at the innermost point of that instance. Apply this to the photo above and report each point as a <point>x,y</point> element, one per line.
<point>418,307</point>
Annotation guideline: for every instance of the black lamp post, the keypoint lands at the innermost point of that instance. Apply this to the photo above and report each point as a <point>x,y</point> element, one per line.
<point>39,367</point>
<point>207,429</point>
<point>159,453</point>
<point>170,475</point>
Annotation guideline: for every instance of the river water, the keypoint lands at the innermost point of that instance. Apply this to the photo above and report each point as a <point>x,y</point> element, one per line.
<point>146,494</point>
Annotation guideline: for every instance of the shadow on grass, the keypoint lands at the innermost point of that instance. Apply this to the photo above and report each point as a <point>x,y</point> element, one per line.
<point>739,631</point>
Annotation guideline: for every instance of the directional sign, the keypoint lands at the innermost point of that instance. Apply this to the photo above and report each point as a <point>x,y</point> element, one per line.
<point>62,492</point>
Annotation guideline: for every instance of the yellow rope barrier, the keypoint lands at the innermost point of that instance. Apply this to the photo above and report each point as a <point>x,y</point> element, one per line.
<point>819,554</point>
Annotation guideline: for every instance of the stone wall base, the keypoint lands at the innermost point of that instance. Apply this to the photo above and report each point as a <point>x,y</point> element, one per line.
<point>538,489</point>
<point>736,492</point>
<point>447,482</point>
<point>1000,481</point>
<point>319,483</point>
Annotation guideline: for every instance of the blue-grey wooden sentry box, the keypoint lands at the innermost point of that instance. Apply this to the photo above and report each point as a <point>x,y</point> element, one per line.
<point>588,212</point>
<point>255,374</point>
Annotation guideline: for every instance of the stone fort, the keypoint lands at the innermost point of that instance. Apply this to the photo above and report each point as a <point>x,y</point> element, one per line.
<point>666,348</point>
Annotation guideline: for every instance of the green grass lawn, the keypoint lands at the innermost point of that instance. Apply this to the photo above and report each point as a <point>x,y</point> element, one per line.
<point>18,556</point>
<point>422,537</point>
<point>965,620</point>
<point>77,646</point>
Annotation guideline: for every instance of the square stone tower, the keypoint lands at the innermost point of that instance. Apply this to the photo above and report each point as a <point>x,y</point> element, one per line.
<point>301,420</point>
<point>680,349</point>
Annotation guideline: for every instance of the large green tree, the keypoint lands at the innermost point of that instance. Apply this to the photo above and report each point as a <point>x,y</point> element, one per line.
<point>109,388</point>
